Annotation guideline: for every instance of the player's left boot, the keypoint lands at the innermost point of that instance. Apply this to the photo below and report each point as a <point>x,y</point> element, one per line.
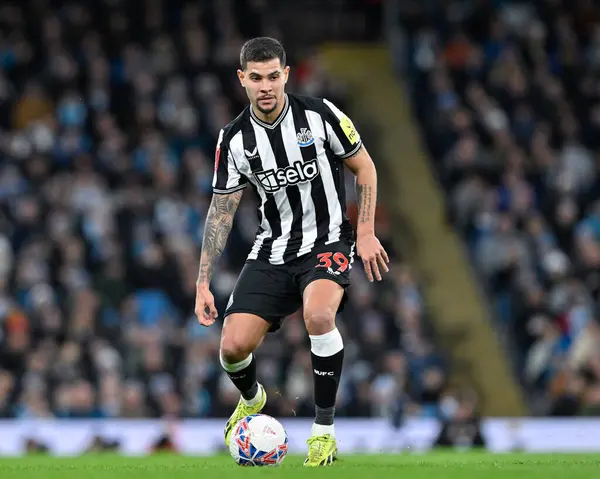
<point>322,451</point>
<point>242,410</point>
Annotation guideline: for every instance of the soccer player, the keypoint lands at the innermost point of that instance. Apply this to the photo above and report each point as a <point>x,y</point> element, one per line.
<point>292,150</point>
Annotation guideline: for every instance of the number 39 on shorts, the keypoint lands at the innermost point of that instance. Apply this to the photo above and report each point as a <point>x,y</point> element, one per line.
<point>327,259</point>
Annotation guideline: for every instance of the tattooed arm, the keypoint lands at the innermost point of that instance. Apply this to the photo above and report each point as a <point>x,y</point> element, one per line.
<point>363,168</point>
<point>367,245</point>
<point>216,231</point>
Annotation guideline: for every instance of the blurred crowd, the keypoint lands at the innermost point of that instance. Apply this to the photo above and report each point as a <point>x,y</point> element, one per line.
<point>109,113</point>
<point>508,97</point>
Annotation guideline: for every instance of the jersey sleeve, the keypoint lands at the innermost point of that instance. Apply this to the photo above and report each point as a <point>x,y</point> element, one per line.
<point>227,178</point>
<point>342,135</point>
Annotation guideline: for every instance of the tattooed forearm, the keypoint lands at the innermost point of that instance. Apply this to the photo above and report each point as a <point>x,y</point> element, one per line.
<point>216,231</point>
<point>363,168</point>
<point>365,200</point>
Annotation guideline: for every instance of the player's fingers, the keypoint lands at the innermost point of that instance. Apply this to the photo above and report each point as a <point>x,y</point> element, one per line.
<point>201,315</point>
<point>201,310</point>
<point>206,320</point>
<point>212,310</point>
<point>382,263</point>
<point>207,316</point>
<point>385,256</point>
<point>375,269</point>
<point>368,272</point>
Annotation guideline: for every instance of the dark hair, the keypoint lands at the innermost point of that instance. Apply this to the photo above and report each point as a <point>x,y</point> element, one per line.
<point>261,49</point>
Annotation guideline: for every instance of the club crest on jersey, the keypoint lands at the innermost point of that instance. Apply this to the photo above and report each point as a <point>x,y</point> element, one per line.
<point>305,137</point>
<point>299,172</point>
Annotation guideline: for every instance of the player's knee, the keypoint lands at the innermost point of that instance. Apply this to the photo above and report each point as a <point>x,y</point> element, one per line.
<point>235,349</point>
<point>319,320</point>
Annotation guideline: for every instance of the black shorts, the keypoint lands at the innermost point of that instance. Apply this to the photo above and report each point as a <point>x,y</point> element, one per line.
<point>275,291</point>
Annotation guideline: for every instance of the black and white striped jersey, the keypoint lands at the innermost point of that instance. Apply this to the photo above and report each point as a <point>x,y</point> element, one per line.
<point>295,166</point>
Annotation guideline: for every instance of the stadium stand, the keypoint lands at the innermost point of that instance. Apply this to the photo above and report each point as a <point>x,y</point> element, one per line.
<point>109,113</point>
<point>506,96</point>
<point>464,328</point>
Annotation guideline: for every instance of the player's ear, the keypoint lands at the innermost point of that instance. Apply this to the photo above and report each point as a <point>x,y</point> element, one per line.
<point>286,73</point>
<point>241,76</point>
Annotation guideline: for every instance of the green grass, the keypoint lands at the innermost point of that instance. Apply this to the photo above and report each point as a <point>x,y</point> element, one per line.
<point>429,466</point>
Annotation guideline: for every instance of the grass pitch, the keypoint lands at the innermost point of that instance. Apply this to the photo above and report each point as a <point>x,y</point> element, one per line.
<point>427,466</point>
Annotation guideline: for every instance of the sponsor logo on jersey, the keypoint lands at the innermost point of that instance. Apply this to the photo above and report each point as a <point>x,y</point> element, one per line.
<point>305,137</point>
<point>251,155</point>
<point>274,180</point>
<point>349,130</point>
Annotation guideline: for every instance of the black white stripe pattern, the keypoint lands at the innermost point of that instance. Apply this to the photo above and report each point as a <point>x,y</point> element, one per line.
<point>295,165</point>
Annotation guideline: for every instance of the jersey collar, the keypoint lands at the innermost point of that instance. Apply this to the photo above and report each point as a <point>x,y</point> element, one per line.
<point>279,119</point>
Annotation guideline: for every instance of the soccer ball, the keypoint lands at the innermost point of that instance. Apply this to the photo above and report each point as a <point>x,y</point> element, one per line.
<point>258,440</point>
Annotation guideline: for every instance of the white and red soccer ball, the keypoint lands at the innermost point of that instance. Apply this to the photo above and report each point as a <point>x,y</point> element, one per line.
<point>258,440</point>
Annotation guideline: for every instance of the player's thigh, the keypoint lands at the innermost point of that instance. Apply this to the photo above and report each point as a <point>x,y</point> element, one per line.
<point>321,300</point>
<point>267,291</point>
<point>242,333</point>
<point>324,279</point>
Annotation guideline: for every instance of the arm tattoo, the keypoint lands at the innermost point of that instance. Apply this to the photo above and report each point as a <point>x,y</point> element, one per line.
<point>364,194</point>
<point>216,231</point>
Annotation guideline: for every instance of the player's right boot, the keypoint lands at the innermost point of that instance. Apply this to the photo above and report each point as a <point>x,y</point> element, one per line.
<point>242,410</point>
<point>322,451</point>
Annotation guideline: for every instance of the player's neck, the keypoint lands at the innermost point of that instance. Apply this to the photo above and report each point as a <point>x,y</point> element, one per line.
<point>270,117</point>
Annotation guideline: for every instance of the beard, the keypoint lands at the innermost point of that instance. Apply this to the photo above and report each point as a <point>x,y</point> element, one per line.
<point>266,111</point>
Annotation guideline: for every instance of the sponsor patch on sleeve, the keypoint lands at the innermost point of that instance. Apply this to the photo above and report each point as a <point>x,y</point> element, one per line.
<point>349,129</point>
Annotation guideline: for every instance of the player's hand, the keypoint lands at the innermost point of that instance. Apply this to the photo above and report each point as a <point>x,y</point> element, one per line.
<point>374,257</point>
<point>205,305</point>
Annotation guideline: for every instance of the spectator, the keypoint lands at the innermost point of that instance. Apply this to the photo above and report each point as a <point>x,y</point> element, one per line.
<point>509,111</point>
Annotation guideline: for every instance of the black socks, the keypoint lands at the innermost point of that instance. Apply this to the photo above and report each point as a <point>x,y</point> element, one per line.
<point>327,355</point>
<point>243,376</point>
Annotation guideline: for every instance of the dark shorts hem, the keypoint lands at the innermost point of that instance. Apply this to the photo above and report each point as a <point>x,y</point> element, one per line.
<point>274,322</point>
<point>343,281</point>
